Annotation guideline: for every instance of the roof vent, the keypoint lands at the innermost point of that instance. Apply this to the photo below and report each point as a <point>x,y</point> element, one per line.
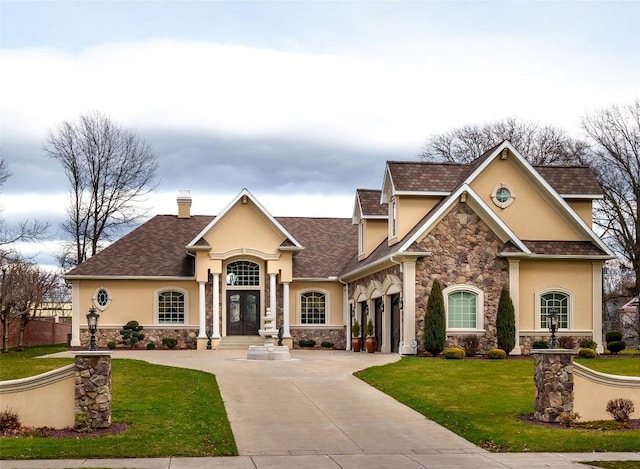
<point>184,204</point>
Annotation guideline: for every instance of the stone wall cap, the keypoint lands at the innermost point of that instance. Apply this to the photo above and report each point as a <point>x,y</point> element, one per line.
<point>96,353</point>
<point>554,351</point>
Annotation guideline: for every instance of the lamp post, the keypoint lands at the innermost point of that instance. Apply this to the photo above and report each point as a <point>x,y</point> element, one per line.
<point>553,327</point>
<point>92,323</point>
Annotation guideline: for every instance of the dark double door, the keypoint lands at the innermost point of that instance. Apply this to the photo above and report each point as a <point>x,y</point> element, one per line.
<point>243,308</point>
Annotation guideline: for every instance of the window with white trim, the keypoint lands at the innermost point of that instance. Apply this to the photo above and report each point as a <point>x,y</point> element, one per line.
<point>102,298</point>
<point>558,301</point>
<point>243,274</point>
<point>313,308</point>
<point>393,218</point>
<point>171,307</point>
<point>464,307</point>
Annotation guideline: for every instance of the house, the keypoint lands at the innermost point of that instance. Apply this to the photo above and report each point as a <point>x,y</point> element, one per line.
<point>496,221</point>
<point>628,314</point>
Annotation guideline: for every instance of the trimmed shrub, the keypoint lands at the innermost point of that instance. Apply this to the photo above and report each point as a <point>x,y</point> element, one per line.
<point>470,344</point>
<point>588,343</point>
<point>326,344</point>
<point>496,354</point>
<point>620,409</point>
<point>566,342</point>
<point>453,353</point>
<point>307,343</point>
<point>587,353</point>
<point>131,334</point>
<point>169,342</point>
<point>151,346</point>
<point>506,322</point>
<point>540,344</point>
<point>355,328</point>
<point>10,423</point>
<point>613,336</point>
<point>616,346</point>
<point>435,324</point>
<point>111,345</point>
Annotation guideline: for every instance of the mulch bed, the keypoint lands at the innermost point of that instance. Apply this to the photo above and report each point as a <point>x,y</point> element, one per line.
<point>47,432</point>
<point>632,424</point>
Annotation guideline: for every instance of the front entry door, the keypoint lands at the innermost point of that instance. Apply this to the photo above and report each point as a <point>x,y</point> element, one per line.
<point>242,312</point>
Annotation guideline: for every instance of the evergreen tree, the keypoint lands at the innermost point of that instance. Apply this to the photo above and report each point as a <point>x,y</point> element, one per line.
<point>506,322</point>
<point>435,324</point>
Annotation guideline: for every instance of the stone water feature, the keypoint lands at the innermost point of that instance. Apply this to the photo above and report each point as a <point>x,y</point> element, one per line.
<point>268,351</point>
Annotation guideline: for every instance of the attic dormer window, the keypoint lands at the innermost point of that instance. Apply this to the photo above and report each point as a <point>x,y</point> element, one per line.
<point>503,195</point>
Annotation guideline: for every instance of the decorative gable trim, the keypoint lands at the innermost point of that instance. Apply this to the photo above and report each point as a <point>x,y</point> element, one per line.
<point>245,193</point>
<point>243,251</point>
<point>571,214</point>
<point>479,206</point>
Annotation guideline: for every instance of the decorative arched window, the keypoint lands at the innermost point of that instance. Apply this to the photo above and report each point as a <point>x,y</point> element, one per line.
<point>102,298</point>
<point>171,307</point>
<point>464,307</point>
<point>243,274</point>
<point>558,301</point>
<point>313,308</point>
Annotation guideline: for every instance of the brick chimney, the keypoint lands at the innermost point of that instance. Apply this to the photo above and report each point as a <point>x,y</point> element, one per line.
<point>184,204</point>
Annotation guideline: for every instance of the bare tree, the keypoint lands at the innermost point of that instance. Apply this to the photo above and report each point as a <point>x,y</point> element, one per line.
<point>110,170</point>
<point>615,131</point>
<point>539,144</point>
<point>23,288</point>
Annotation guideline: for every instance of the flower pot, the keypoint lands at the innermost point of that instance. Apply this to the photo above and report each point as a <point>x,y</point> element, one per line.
<point>370,344</point>
<point>356,344</point>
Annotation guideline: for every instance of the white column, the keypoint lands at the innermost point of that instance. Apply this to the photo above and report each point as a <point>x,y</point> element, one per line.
<point>272,292</point>
<point>201,311</point>
<point>597,305</point>
<point>409,297</point>
<point>286,319</point>
<point>216,306</point>
<point>514,292</point>
<point>75,314</point>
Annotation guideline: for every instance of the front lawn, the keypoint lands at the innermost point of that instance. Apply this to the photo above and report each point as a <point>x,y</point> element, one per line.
<point>168,411</point>
<point>481,400</point>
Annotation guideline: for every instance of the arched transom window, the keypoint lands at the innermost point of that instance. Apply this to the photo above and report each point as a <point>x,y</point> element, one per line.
<point>313,307</point>
<point>243,274</point>
<point>464,307</point>
<point>557,301</point>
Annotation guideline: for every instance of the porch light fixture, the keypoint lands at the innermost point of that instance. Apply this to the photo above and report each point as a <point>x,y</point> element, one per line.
<point>92,323</point>
<point>553,327</point>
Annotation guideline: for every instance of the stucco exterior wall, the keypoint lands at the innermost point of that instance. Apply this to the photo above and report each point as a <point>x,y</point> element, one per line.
<point>411,210</point>
<point>135,300</point>
<point>463,252</point>
<point>584,209</point>
<point>530,216</point>
<point>334,290</point>
<point>376,231</point>
<point>573,277</point>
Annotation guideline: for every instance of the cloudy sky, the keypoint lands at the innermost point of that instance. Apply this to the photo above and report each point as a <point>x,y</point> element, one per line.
<point>301,102</point>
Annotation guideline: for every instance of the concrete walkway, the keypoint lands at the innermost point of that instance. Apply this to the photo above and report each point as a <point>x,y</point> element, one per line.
<point>311,412</point>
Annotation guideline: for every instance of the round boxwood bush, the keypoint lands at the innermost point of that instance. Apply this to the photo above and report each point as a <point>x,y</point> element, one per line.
<point>326,344</point>
<point>588,343</point>
<point>169,342</point>
<point>111,345</point>
<point>613,336</point>
<point>151,346</point>
<point>587,352</point>
<point>540,344</point>
<point>616,346</point>
<point>496,354</point>
<point>307,343</point>
<point>453,353</point>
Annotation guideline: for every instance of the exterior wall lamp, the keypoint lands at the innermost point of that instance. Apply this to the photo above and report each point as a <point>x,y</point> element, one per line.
<point>92,323</point>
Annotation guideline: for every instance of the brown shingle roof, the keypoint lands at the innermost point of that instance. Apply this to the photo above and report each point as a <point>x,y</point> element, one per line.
<point>329,243</point>
<point>370,203</point>
<point>426,177</point>
<point>571,180</point>
<point>154,249</point>
<point>558,248</point>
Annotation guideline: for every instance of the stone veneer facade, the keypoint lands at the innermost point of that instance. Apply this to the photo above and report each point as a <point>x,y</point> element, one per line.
<point>464,251</point>
<point>553,377</point>
<point>187,338</point>
<point>93,389</point>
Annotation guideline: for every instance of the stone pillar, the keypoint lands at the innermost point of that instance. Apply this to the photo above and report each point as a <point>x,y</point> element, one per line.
<point>553,378</point>
<point>93,389</point>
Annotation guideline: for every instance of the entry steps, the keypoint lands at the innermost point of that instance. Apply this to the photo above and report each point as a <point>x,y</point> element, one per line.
<point>239,342</point>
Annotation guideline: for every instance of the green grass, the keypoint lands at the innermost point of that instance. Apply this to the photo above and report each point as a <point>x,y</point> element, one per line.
<point>481,400</point>
<point>615,464</point>
<point>613,366</point>
<point>14,365</point>
<point>169,412</point>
